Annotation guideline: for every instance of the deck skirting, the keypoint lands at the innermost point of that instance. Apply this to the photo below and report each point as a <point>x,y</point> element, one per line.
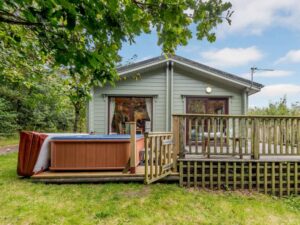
<point>269,177</point>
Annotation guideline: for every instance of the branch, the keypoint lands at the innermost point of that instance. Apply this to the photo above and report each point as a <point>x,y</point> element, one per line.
<point>18,22</point>
<point>139,4</point>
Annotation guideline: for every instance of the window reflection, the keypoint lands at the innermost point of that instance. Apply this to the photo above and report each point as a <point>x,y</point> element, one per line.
<point>130,109</point>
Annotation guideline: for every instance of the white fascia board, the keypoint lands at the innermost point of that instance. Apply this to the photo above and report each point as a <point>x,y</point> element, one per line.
<point>215,75</point>
<point>192,67</point>
<point>142,67</point>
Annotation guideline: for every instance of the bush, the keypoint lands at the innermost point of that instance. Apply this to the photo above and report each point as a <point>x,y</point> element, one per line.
<point>8,119</point>
<point>279,108</point>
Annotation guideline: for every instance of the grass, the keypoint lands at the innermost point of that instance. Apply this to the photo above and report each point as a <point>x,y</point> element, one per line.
<point>6,141</point>
<point>23,202</point>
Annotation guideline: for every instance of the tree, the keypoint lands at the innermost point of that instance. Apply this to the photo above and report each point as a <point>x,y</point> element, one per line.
<point>34,104</point>
<point>278,108</point>
<point>86,36</point>
<point>8,123</point>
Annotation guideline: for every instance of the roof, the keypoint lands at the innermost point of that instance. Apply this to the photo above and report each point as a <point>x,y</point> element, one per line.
<point>253,86</point>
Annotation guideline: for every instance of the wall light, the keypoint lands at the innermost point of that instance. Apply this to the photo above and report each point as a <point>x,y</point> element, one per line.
<point>208,90</point>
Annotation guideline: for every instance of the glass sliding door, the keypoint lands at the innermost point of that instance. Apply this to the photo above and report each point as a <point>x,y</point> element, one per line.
<point>130,109</point>
<point>199,105</point>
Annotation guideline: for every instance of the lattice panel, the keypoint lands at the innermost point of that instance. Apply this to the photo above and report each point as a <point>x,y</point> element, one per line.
<point>277,178</point>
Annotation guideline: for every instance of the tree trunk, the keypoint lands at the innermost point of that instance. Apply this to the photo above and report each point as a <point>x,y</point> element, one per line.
<point>77,118</point>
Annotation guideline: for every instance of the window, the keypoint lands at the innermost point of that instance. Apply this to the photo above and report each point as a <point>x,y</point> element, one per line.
<point>130,109</point>
<point>199,105</point>
<point>202,105</point>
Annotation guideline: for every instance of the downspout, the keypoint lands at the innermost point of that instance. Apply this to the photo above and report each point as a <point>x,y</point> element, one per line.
<point>167,96</point>
<point>171,95</point>
<point>91,112</point>
<point>245,100</point>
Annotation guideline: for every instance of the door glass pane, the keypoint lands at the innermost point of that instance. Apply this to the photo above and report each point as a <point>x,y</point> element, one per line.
<point>196,106</point>
<point>216,106</point>
<point>130,109</point>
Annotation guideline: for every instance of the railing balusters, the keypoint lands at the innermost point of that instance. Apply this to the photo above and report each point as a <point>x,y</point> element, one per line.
<point>203,145</point>
<point>146,141</point>
<point>215,134</point>
<point>269,136</point>
<point>298,139</point>
<point>275,137</point>
<point>236,135</point>
<point>161,148</point>
<point>158,155</point>
<point>286,136</point>
<point>221,136</point>
<point>151,158</point>
<point>264,137</point>
<point>197,135</point>
<point>233,137</point>
<point>190,128</point>
<point>246,135</point>
<point>227,134</point>
<point>240,137</point>
<point>281,136</point>
<point>292,137</point>
<point>208,138</point>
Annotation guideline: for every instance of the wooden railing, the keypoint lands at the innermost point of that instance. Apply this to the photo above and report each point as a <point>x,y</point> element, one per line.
<point>236,135</point>
<point>159,156</point>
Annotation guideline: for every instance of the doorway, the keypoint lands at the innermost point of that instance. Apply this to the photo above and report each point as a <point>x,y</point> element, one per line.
<point>203,105</point>
<point>130,109</point>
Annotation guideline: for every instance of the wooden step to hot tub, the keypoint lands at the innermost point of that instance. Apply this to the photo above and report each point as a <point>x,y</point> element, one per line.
<point>95,177</point>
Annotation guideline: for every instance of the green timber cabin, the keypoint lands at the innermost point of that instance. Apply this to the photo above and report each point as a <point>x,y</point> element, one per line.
<point>156,88</point>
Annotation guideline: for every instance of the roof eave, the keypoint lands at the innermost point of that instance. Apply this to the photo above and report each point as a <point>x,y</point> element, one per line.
<point>124,70</point>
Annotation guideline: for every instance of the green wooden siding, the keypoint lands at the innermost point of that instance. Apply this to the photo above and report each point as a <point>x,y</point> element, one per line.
<point>151,83</point>
<point>154,83</point>
<point>186,83</point>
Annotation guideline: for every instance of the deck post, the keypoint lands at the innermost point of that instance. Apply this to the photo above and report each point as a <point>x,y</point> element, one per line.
<point>181,137</point>
<point>146,157</point>
<point>255,137</point>
<point>132,147</point>
<point>175,141</point>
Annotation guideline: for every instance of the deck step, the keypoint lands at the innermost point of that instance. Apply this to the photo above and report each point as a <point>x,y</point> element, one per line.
<point>93,177</point>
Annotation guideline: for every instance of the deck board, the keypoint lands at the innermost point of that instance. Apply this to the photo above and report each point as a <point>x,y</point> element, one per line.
<point>95,176</point>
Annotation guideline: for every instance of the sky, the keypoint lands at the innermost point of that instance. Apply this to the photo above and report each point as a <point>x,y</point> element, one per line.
<point>263,34</point>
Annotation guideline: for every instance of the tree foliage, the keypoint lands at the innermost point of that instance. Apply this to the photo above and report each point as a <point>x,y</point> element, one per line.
<point>84,37</point>
<point>279,108</point>
<point>88,34</point>
<point>34,105</point>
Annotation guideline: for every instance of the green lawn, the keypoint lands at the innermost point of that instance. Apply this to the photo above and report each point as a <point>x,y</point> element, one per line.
<point>6,141</point>
<point>23,202</point>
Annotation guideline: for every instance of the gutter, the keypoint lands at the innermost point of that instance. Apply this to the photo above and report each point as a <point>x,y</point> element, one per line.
<point>171,95</point>
<point>167,96</point>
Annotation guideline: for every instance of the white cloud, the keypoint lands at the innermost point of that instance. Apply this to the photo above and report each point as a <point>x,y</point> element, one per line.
<point>292,56</point>
<point>274,92</point>
<point>231,57</point>
<point>144,58</point>
<point>269,74</point>
<point>253,17</point>
<point>280,90</point>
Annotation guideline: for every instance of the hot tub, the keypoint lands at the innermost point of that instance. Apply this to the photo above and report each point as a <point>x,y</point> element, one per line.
<point>93,152</point>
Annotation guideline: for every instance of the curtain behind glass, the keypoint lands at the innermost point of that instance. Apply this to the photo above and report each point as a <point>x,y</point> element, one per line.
<point>112,107</point>
<point>149,107</point>
<point>149,111</point>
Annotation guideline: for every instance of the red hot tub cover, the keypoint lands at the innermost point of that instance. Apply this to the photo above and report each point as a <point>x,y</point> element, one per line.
<point>29,149</point>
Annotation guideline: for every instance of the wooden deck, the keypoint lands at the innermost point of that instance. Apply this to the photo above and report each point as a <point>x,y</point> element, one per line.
<point>263,151</point>
<point>96,177</point>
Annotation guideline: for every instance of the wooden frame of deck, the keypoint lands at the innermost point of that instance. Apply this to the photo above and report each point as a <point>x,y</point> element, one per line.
<point>276,177</point>
<point>267,159</point>
<point>96,177</point>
